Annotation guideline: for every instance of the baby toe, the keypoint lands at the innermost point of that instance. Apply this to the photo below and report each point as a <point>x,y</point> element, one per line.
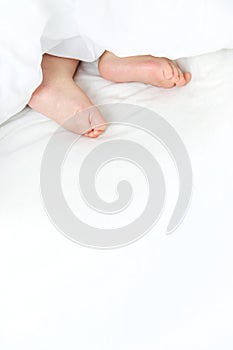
<point>185,80</point>
<point>166,84</point>
<point>181,81</point>
<point>94,133</point>
<point>187,77</point>
<point>97,123</point>
<point>96,120</point>
<point>176,73</point>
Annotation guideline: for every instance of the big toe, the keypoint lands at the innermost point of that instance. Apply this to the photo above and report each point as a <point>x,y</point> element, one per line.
<point>97,122</point>
<point>186,77</point>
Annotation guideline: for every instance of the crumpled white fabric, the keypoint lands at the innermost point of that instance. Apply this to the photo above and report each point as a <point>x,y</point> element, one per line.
<point>83,29</point>
<point>21,27</point>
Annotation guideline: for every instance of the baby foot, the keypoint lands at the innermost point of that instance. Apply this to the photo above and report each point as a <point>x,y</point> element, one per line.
<point>165,73</point>
<point>67,104</point>
<point>155,71</point>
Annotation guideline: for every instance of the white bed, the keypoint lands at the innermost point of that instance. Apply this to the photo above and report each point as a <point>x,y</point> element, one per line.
<point>162,292</point>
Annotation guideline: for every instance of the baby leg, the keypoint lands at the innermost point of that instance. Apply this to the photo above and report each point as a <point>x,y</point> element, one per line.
<point>157,71</point>
<point>61,99</point>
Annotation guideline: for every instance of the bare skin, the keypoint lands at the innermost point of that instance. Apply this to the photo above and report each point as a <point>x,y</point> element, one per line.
<point>156,71</point>
<point>61,99</point>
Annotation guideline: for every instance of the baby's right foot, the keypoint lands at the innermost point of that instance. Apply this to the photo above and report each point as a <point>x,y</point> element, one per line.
<point>65,102</point>
<point>156,71</point>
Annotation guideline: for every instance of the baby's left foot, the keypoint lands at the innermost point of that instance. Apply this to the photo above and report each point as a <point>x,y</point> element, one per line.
<point>156,71</point>
<point>62,100</point>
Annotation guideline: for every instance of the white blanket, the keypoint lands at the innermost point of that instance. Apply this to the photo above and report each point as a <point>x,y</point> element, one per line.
<point>84,29</point>
<point>163,292</point>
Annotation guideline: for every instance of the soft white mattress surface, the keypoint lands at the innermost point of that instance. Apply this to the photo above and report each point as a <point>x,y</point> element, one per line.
<point>162,292</point>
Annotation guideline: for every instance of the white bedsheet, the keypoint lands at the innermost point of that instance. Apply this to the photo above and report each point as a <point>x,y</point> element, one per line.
<point>162,292</point>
